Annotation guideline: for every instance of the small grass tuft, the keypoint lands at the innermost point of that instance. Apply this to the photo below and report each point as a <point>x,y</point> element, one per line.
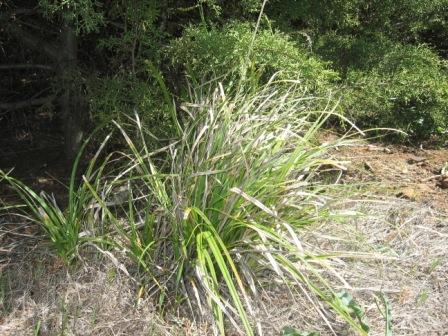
<point>63,227</point>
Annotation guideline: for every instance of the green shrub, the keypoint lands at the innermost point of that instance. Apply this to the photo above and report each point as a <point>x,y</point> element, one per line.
<point>320,15</point>
<point>209,53</point>
<point>117,98</point>
<point>357,52</point>
<point>407,89</point>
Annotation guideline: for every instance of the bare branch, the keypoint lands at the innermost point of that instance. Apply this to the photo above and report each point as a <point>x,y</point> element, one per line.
<point>19,11</point>
<point>25,66</point>
<point>35,42</point>
<point>26,103</point>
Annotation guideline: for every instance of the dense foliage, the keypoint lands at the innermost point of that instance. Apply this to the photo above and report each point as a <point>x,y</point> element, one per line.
<point>406,88</point>
<point>384,58</point>
<point>209,53</point>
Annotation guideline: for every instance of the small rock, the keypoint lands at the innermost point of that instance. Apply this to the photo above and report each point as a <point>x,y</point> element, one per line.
<point>368,167</point>
<point>443,182</point>
<point>415,192</point>
<point>416,159</point>
<point>444,169</point>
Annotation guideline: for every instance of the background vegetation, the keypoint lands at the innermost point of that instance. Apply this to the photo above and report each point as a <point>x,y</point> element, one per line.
<point>386,60</point>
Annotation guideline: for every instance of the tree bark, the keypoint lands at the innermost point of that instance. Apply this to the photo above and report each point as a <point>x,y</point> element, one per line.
<point>64,55</point>
<point>71,97</point>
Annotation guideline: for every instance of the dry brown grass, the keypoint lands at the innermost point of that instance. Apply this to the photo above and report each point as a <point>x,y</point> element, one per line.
<point>44,298</point>
<point>406,258</point>
<point>399,248</point>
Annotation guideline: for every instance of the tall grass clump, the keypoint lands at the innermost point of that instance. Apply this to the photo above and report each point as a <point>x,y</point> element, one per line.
<point>217,214</point>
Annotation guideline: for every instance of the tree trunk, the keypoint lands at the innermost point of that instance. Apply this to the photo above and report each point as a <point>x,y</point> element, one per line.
<point>71,106</point>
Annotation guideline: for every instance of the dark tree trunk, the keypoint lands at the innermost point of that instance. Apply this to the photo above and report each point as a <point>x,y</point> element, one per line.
<point>71,99</point>
<point>64,56</point>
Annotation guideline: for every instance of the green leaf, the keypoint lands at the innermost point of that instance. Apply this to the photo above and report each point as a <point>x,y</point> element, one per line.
<point>353,308</point>
<point>290,331</point>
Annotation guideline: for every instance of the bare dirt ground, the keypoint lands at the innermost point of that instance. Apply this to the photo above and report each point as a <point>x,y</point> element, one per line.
<point>411,173</point>
<point>397,245</point>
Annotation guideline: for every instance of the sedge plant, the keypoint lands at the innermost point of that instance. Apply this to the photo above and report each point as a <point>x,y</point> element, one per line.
<point>223,206</point>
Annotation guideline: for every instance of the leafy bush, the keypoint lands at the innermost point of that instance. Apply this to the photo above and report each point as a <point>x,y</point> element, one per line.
<point>85,15</point>
<point>315,15</point>
<point>119,97</point>
<point>407,89</point>
<point>357,52</point>
<point>210,53</point>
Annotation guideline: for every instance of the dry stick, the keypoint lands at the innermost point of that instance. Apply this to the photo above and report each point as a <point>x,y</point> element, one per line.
<point>433,177</point>
<point>26,66</point>
<point>256,30</point>
<point>26,103</point>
